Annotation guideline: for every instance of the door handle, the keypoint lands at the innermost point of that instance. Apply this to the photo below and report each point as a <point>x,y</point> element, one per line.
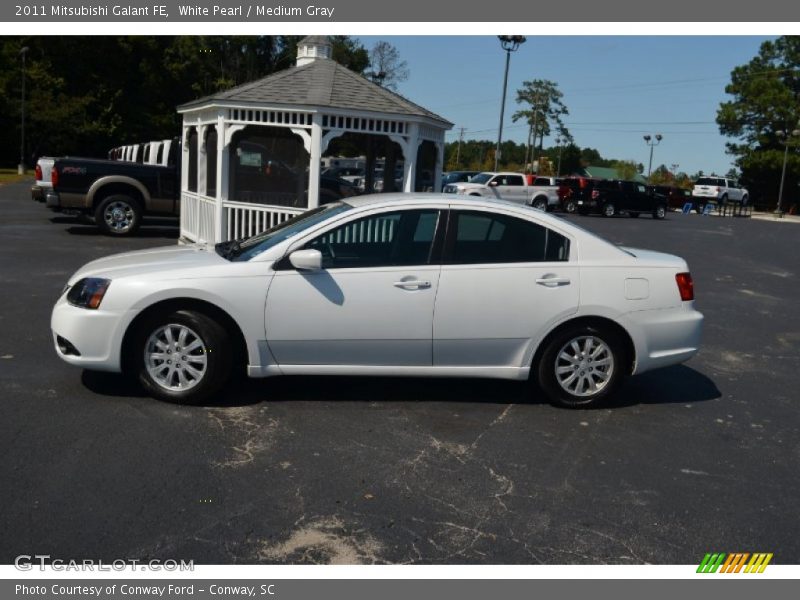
<point>553,281</point>
<point>412,284</point>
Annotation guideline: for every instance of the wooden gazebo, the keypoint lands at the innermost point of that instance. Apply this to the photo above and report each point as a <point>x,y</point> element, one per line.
<point>252,154</point>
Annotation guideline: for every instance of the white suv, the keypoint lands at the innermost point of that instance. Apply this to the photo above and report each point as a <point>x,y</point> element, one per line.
<point>718,189</point>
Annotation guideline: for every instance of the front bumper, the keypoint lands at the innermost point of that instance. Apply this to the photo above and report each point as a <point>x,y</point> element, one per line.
<point>95,336</point>
<point>664,337</point>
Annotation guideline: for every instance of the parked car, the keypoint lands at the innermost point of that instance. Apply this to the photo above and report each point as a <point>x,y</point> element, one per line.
<point>43,185</point>
<point>676,197</point>
<point>719,190</point>
<point>332,189</point>
<point>354,175</point>
<point>391,284</point>
<point>117,193</point>
<point>572,189</point>
<point>456,177</point>
<point>513,187</point>
<point>612,197</point>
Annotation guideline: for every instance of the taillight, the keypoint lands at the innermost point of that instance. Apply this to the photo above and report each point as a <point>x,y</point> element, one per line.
<point>38,173</point>
<point>719,190</point>
<point>685,286</point>
<point>54,177</point>
<point>595,194</point>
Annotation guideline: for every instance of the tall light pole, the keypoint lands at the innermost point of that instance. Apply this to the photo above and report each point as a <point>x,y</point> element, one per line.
<point>21,168</point>
<point>559,141</point>
<point>509,43</point>
<point>648,139</point>
<point>785,138</point>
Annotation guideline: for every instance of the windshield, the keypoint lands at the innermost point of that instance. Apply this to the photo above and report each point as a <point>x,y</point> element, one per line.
<point>481,178</point>
<point>241,250</point>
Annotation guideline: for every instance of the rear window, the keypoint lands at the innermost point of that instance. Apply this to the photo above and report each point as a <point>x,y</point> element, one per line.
<point>710,181</point>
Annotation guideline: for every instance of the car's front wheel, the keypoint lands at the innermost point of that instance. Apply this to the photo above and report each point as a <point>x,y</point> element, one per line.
<point>660,212</point>
<point>581,366</point>
<point>183,357</point>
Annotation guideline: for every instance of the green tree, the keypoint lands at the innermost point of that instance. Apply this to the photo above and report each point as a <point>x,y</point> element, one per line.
<point>386,66</point>
<point>543,111</point>
<point>765,100</point>
<point>626,169</point>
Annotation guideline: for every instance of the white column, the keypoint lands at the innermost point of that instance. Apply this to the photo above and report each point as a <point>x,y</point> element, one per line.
<point>438,168</point>
<point>202,160</point>
<point>410,154</point>
<point>185,159</point>
<point>315,158</point>
<point>221,225</point>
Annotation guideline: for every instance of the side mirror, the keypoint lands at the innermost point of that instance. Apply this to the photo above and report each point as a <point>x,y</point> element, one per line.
<point>306,260</point>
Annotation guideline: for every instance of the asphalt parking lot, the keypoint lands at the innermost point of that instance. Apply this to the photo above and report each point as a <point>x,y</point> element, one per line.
<point>690,459</point>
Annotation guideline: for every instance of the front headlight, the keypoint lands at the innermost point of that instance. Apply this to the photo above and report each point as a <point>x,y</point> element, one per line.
<point>88,293</point>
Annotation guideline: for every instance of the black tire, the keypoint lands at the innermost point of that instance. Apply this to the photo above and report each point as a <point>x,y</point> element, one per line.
<point>633,215</point>
<point>540,203</point>
<point>551,360</point>
<point>570,206</point>
<point>608,209</point>
<point>660,212</point>
<point>118,215</point>
<point>215,353</point>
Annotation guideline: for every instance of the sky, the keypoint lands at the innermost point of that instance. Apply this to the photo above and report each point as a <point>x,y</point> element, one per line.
<point>617,89</point>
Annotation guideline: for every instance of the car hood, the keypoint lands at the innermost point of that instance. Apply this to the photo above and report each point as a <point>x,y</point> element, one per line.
<point>153,261</point>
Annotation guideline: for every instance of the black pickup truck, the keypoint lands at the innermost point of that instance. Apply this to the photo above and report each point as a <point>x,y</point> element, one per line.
<point>116,193</point>
<point>612,197</point>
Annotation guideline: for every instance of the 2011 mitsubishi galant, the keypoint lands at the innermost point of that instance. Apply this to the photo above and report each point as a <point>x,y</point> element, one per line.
<point>419,285</point>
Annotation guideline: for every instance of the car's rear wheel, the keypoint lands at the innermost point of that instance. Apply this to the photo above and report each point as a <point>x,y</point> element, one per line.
<point>609,210</point>
<point>118,214</point>
<point>581,366</point>
<point>570,206</point>
<point>540,203</point>
<point>660,212</point>
<point>183,357</point>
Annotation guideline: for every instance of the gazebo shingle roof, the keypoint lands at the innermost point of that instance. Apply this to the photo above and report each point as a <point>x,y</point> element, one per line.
<point>321,83</point>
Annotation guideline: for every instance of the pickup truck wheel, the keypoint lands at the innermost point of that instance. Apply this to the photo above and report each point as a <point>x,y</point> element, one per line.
<point>570,206</point>
<point>660,212</point>
<point>609,210</point>
<point>183,357</point>
<point>118,214</point>
<point>540,203</point>
<point>581,366</point>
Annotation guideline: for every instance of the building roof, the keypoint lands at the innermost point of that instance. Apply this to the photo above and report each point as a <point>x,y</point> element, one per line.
<point>609,173</point>
<point>315,40</point>
<point>321,83</point>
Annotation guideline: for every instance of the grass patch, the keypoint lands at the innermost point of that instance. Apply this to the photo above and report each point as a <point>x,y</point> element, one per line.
<point>11,176</point>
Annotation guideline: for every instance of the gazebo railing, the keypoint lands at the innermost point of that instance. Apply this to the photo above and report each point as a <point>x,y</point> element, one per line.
<point>197,217</point>
<point>244,219</point>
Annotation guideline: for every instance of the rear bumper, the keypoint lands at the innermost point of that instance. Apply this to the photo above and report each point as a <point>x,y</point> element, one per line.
<point>664,337</point>
<point>38,193</point>
<point>59,200</point>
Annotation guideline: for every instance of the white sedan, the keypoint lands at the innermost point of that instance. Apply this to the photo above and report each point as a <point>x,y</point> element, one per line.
<point>418,285</point>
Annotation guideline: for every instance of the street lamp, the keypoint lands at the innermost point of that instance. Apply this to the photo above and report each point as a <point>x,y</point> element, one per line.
<point>785,138</point>
<point>509,43</point>
<point>21,168</point>
<point>651,142</point>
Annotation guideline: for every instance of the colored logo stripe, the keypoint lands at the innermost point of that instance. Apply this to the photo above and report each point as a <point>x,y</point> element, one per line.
<point>735,562</point>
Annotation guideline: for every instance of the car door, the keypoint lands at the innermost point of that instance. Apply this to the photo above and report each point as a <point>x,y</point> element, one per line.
<point>504,282</point>
<point>512,188</point>
<point>370,304</point>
